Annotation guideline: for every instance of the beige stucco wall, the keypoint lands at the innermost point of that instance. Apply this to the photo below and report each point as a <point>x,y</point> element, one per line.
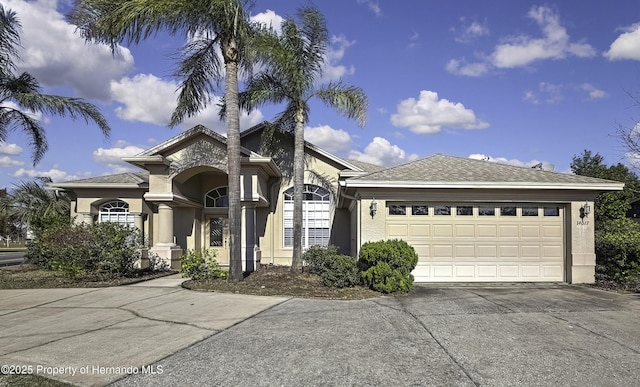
<point>580,244</point>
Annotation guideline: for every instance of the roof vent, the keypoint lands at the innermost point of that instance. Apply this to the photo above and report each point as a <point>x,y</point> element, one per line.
<point>538,166</point>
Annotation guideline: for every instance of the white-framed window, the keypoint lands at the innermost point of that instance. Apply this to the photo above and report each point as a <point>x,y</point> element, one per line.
<point>116,211</point>
<point>217,197</point>
<point>316,214</point>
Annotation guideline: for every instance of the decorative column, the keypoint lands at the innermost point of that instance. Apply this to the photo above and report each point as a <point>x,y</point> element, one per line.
<point>165,247</point>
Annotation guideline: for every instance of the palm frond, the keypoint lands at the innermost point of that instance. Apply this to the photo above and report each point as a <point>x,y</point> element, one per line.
<point>200,72</point>
<point>10,29</point>
<point>351,101</point>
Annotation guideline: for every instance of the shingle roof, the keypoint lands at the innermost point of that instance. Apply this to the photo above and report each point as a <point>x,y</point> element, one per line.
<point>444,169</point>
<point>367,167</point>
<point>120,178</point>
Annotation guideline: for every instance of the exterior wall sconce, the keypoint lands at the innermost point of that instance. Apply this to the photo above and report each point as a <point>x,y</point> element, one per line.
<point>585,210</point>
<point>373,208</point>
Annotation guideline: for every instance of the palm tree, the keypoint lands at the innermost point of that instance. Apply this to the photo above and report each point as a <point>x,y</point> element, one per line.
<point>208,25</point>
<point>30,201</point>
<point>20,95</point>
<point>293,66</point>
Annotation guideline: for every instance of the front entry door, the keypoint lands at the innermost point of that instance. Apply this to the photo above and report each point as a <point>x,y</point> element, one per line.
<point>218,238</point>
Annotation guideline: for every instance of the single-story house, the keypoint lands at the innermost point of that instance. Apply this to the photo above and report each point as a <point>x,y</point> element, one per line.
<point>468,220</point>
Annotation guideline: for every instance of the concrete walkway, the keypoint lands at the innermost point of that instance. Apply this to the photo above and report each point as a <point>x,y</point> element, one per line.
<point>92,336</point>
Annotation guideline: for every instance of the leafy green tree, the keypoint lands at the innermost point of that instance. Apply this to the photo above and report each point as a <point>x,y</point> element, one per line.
<point>208,25</point>
<point>608,205</point>
<point>20,95</point>
<point>293,66</point>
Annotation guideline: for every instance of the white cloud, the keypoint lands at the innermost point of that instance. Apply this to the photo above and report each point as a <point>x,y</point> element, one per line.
<point>413,40</point>
<point>523,50</point>
<point>627,45</point>
<point>10,149</point>
<point>470,30</point>
<point>547,93</point>
<point>592,91</point>
<point>55,174</point>
<point>147,98</point>
<point>112,157</point>
<point>373,6</point>
<point>269,19</point>
<point>332,70</point>
<point>461,67</point>
<point>333,140</point>
<point>555,43</point>
<point>502,160</point>
<point>381,152</point>
<point>6,161</point>
<point>56,55</point>
<point>429,114</point>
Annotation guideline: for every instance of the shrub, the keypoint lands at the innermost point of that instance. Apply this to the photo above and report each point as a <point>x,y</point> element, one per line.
<point>201,265</point>
<point>618,250</point>
<point>335,270</point>
<point>106,249</point>
<point>386,265</point>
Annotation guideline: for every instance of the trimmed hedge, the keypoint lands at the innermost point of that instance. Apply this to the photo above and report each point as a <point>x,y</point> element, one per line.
<point>386,265</point>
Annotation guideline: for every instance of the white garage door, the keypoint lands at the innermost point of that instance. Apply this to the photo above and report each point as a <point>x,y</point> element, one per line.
<point>476,243</point>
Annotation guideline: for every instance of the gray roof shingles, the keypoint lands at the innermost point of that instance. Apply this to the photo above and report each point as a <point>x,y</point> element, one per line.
<point>120,178</point>
<point>451,169</point>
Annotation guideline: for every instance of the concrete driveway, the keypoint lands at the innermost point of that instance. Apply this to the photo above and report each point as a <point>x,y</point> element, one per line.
<point>505,335</point>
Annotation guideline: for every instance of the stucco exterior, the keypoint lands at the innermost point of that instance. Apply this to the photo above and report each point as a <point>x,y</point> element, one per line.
<point>173,201</point>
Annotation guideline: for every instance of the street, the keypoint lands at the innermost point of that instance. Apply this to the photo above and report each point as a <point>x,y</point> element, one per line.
<point>10,258</point>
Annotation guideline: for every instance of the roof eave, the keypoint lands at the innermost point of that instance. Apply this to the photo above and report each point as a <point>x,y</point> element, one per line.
<point>482,185</point>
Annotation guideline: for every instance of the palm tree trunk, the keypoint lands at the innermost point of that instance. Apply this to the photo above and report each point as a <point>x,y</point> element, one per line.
<point>233,149</point>
<point>298,191</point>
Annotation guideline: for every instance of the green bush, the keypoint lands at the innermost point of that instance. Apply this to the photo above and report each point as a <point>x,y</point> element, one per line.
<point>618,250</point>
<point>386,265</point>
<point>106,249</point>
<point>201,265</point>
<point>335,270</point>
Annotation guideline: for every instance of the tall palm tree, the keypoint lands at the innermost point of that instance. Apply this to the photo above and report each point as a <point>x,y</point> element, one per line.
<point>293,66</point>
<point>20,95</point>
<point>208,25</point>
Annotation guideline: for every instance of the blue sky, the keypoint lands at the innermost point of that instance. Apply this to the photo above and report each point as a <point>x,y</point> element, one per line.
<point>518,82</point>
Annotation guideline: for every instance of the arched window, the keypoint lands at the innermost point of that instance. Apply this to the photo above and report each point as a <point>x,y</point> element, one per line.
<point>217,197</point>
<point>116,211</point>
<point>316,213</point>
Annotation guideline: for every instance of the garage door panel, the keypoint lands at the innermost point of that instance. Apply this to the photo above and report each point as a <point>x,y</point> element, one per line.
<point>506,271</point>
<point>508,231</point>
<point>443,231</point>
<point>552,231</point>
<point>465,272</point>
<point>423,251</point>
<point>465,231</point>
<point>509,251</point>
<point>487,271</point>
<point>443,271</point>
<point>419,231</point>
<point>487,251</point>
<point>529,251</point>
<point>443,251</point>
<point>465,251</point>
<point>553,251</point>
<point>530,231</point>
<point>398,230</point>
<point>487,231</point>
<point>530,272</point>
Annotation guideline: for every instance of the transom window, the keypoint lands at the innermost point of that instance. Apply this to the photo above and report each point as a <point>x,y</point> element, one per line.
<point>116,211</point>
<point>218,197</point>
<point>315,216</point>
